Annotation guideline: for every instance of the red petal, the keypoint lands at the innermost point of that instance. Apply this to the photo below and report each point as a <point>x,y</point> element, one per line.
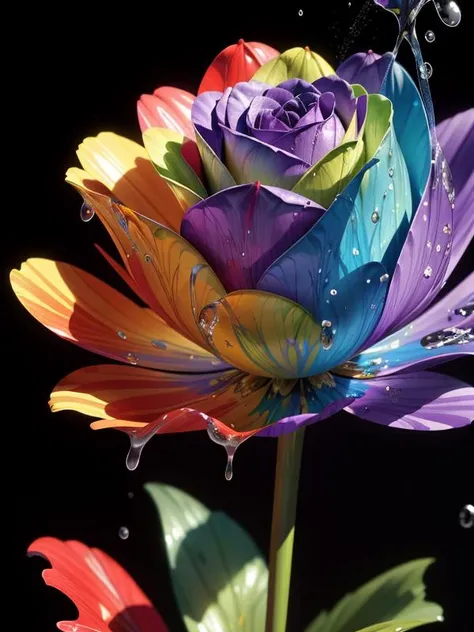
<point>105,595</point>
<point>238,62</point>
<point>167,107</point>
<point>190,152</point>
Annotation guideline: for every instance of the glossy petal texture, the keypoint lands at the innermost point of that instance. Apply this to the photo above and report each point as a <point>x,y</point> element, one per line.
<point>262,334</point>
<point>126,397</point>
<point>164,147</point>
<point>80,308</point>
<point>125,169</point>
<point>382,74</point>
<point>242,230</point>
<point>238,62</point>
<point>217,175</point>
<point>444,332</point>
<point>217,586</point>
<point>456,137</point>
<point>367,69</point>
<point>295,63</point>
<point>170,275</point>
<point>106,596</point>
<point>167,107</point>
<point>417,401</point>
<point>423,261</point>
<point>313,273</point>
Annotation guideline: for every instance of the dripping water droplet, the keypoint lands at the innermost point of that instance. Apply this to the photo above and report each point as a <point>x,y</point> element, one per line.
<point>87,212</point>
<point>466,516</point>
<point>430,37</point>
<point>449,12</point>
<point>229,441</point>
<point>123,533</point>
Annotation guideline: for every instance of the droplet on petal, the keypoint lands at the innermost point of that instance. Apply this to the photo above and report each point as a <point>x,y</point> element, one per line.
<point>428,272</point>
<point>122,334</point>
<point>132,358</point>
<point>159,344</point>
<point>86,212</point>
<point>229,441</point>
<point>375,216</point>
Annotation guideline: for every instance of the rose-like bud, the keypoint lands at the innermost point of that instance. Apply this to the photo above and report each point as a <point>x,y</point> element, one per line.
<point>275,134</point>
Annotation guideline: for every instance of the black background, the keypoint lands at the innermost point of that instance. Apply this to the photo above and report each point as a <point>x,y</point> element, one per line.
<point>370,497</point>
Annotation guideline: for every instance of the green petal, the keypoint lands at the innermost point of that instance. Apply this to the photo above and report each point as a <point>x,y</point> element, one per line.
<point>164,148</point>
<point>217,174</point>
<point>335,170</point>
<point>396,597</point>
<point>219,577</point>
<point>295,63</point>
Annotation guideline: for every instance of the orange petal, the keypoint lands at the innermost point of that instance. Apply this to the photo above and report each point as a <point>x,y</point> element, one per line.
<point>167,107</point>
<point>105,595</point>
<point>262,334</point>
<point>124,168</point>
<point>238,62</point>
<point>80,308</point>
<point>170,275</point>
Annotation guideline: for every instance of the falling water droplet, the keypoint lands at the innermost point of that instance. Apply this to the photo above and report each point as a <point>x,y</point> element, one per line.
<point>430,37</point>
<point>122,334</point>
<point>230,442</point>
<point>428,272</point>
<point>300,12</point>
<point>448,11</point>
<point>123,533</point>
<point>86,212</point>
<point>326,336</point>
<point>466,517</point>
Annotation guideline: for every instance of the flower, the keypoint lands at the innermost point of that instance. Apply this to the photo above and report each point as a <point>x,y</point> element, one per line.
<point>106,597</point>
<point>276,134</point>
<point>269,309</point>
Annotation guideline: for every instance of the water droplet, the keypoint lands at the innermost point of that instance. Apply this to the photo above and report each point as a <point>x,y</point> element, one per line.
<point>447,337</point>
<point>132,358</point>
<point>208,321</point>
<point>430,37</point>
<point>87,212</point>
<point>122,334</point>
<point>447,229</point>
<point>467,310</point>
<point>428,272</point>
<point>229,441</point>
<point>390,186</point>
<point>130,495</point>
<point>373,306</point>
<point>426,70</point>
<point>390,172</point>
<point>466,517</point>
<point>123,533</point>
<point>295,214</point>
<point>375,217</point>
<point>387,388</point>
<point>300,12</point>
<point>438,247</point>
<point>147,258</point>
<point>327,335</point>
<point>333,292</point>
<point>159,344</point>
<point>449,12</point>
<point>355,252</point>
<point>248,231</point>
<point>368,280</point>
<point>428,244</point>
<point>243,254</point>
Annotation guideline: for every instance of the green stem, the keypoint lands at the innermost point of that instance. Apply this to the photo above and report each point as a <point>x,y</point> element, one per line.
<point>290,448</point>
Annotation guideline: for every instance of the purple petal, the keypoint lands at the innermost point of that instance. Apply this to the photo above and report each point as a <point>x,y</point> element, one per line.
<point>242,230</point>
<point>442,333</point>
<point>423,261</point>
<point>280,95</point>
<point>249,160</point>
<point>240,98</point>
<point>345,100</point>
<point>417,401</point>
<point>204,118</point>
<point>456,136</point>
<point>367,69</point>
<point>297,86</point>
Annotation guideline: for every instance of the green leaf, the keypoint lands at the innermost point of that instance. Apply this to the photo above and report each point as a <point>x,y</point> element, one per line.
<point>218,176</point>
<point>164,148</point>
<point>219,577</point>
<point>396,597</point>
<point>295,63</point>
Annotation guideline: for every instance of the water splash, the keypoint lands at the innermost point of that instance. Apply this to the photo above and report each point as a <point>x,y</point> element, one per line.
<point>466,517</point>
<point>229,440</point>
